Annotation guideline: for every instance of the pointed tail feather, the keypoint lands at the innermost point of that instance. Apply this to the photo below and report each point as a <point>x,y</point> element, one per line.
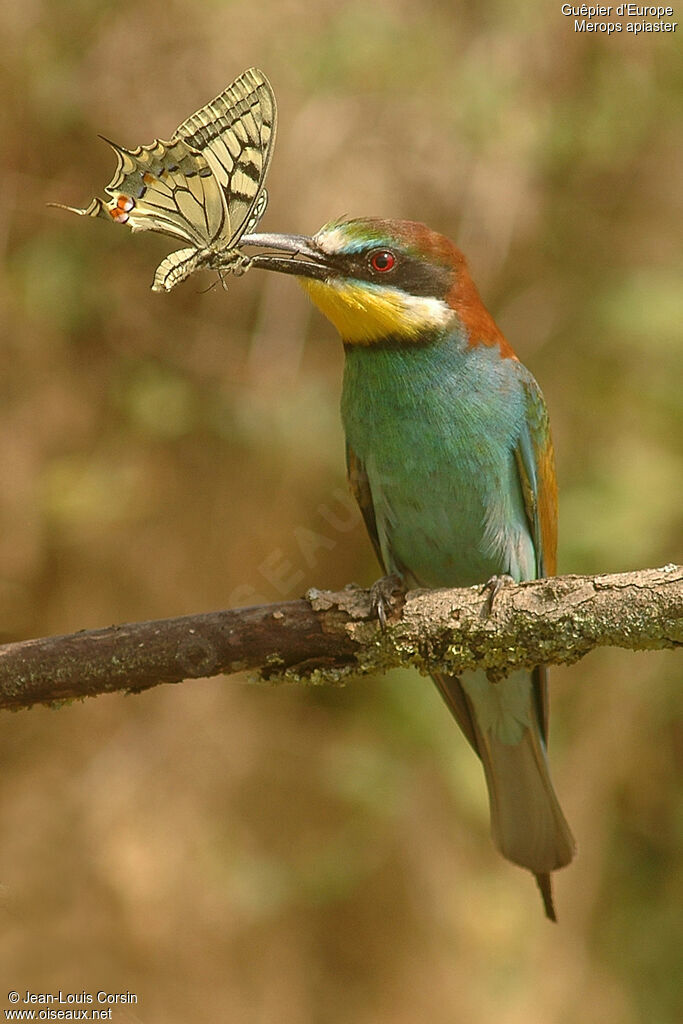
<point>546,889</point>
<point>527,823</point>
<point>500,721</point>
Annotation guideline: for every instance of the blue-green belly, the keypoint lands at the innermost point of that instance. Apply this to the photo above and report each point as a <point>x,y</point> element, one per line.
<point>436,429</point>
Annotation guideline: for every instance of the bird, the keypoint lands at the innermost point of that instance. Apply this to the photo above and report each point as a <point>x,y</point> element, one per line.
<point>450,458</point>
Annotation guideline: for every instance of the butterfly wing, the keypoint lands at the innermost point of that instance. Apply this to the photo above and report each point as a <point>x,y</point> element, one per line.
<point>175,268</point>
<point>235,134</point>
<point>205,185</point>
<point>163,187</point>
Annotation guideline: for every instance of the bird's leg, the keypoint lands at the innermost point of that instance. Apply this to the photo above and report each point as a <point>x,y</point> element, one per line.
<point>387,595</point>
<point>494,587</point>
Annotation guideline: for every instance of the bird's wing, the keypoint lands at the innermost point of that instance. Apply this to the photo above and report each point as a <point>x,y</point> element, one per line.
<point>360,487</point>
<point>536,466</point>
<point>448,686</point>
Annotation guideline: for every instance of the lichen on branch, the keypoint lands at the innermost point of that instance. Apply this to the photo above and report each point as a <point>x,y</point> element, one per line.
<point>327,636</point>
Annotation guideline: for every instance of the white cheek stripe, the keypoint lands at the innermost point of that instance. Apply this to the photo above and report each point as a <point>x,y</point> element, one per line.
<point>422,310</point>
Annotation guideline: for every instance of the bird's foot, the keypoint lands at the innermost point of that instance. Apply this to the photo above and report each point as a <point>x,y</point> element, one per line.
<point>494,587</point>
<point>387,596</point>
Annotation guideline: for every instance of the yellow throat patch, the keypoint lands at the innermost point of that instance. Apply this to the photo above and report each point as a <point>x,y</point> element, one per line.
<point>364,315</point>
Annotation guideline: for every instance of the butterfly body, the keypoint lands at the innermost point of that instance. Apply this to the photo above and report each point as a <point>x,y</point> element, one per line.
<point>179,265</point>
<point>203,187</point>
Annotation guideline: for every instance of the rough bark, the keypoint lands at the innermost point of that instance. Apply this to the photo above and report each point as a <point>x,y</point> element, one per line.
<point>327,636</point>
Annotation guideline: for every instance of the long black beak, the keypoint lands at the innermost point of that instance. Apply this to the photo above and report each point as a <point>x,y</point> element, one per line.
<point>303,258</point>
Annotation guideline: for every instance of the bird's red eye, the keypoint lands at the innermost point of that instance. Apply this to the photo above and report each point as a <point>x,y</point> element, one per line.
<point>382,261</point>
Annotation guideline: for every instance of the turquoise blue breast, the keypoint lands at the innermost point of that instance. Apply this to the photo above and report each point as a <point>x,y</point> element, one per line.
<point>436,429</point>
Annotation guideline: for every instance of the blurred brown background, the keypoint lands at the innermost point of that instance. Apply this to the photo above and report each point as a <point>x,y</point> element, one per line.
<point>239,853</point>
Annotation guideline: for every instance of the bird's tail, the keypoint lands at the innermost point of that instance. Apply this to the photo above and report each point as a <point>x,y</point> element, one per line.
<point>502,723</point>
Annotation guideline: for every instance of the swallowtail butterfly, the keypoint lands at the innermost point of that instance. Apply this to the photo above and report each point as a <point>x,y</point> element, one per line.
<point>204,187</point>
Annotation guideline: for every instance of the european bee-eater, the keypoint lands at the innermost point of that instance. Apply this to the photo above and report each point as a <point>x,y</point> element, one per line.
<point>450,458</point>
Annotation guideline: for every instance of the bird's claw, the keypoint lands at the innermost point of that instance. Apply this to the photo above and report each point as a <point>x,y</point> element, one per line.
<point>386,596</point>
<point>494,587</point>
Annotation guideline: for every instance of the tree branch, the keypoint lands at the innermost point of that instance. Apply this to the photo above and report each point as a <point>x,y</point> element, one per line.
<point>328,636</point>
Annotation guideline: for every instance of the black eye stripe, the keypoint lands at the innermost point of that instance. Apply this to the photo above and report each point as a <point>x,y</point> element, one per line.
<point>409,273</point>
